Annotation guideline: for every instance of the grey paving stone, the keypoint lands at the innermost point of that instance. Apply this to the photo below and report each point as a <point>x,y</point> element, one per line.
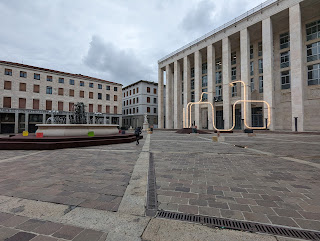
<point>48,228</point>
<point>232,214</point>
<point>208,211</point>
<point>21,236</point>
<point>287,213</point>
<point>310,215</point>
<point>13,221</point>
<point>30,225</point>
<point>4,216</point>
<point>7,232</point>
<point>88,234</point>
<point>256,217</point>
<point>240,207</point>
<point>282,221</point>
<point>67,232</point>
<point>44,238</point>
<point>188,209</point>
<point>308,224</point>
<point>198,202</point>
<point>215,204</point>
<point>266,203</point>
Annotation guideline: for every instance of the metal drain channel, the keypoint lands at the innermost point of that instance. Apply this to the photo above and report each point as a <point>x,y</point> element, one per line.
<point>241,225</point>
<point>152,202</point>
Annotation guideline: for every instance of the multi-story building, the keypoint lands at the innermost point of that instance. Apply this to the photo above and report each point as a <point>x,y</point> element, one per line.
<point>274,48</point>
<point>138,99</point>
<point>31,95</point>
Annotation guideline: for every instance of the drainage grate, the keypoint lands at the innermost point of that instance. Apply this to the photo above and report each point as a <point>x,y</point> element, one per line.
<point>241,225</point>
<point>152,203</point>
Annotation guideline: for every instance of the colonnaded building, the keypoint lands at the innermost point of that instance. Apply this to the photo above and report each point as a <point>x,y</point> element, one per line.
<point>30,95</point>
<point>274,49</point>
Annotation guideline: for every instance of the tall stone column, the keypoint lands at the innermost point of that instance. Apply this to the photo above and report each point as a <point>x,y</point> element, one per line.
<point>160,99</point>
<point>68,118</point>
<point>296,56</point>
<point>245,76</point>
<point>169,98</point>
<point>16,122</point>
<point>267,50</point>
<point>44,118</point>
<point>177,96</point>
<point>211,56</point>
<point>104,119</point>
<point>186,85</point>
<point>197,86</point>
<point>226,77</point>
<point>26,121</point>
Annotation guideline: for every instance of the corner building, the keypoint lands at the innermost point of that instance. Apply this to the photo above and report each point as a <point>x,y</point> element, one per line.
<point>274,48</point>
<point>30,95</point>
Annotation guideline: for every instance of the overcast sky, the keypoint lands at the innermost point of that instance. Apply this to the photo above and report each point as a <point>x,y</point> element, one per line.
<point>119,41</point>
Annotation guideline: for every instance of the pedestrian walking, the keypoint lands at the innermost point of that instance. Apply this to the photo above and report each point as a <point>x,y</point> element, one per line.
<point>137,133</point>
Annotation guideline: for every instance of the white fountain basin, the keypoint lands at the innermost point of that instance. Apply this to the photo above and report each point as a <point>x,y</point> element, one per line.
<point>76,129</point>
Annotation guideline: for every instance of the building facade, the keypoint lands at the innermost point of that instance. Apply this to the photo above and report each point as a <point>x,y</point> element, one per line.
<point>31,95</point>
<point>140,98</point>
<point>274,49</point>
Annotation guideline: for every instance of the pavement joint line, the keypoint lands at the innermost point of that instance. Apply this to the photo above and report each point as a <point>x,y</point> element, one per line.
<point>134,199</point>
<point>194,141</point>
<point>114,150</point>
<point>19,157</point>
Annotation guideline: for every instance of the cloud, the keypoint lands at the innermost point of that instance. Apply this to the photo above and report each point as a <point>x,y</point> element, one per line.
<point>119,65</point>
<point>199,19</point>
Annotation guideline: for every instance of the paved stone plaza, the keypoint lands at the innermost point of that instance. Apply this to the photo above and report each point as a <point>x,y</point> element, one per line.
<point>99,193</point>
<point>198,176</point>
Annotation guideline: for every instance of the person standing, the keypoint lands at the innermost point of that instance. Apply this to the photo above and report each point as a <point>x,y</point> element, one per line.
<point>137,133</point>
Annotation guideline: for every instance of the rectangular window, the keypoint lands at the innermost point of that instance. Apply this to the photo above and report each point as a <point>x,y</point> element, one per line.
<point>22,103</point>
<point>260,49</point>
<point>130,101</point>
<point>134,110</point>
<point>252,84</point>
<point>218,77</point>
<point>284,40</point>
<point>218,91</point>
<point>155,110</point>
<point>60,91</point>
<point>192,96</point>
<point>260,63</point>
<point>233,58</point>
<point>108,87</point>
<point>91,85</point>
<point>234,90</point>
<point>71,81</point>
<point>8,72</point>
<point>313,30</point>
<point>251,68</point>
<point>71,106</point>
<point>108,109</point>
<point>71,93</point>
<point>148,109</point>
<point>218,64</point>
<point>234,73</point>
<point>134,100</point>
<point>36,104</point>
<point>6,102</point>
<point>115,109</point>
<point>99,108</point>
<point>36,76</point>
<point>137,90</point>
<point>204,68</point>
<point>154,90</point>
<point>48,105</point>
<point>204,96</point>
<point>251,51</point>
<point>148,99</point>
<point>130,92</point>
<point>137,109</point>
<point>115,88</point>
<point>192,72</point>
<point>260,84</point>
<point>154,100</point>
<point>115,97</point>
<point>81,94</point>
<point>192,84</point>
<point>22,87</point>
<point>60,105</point>
<point>204,81</point>
<point>107,97</point>
<point>134,91</point>
<point>285,80</point>
<point>7,85</point>
<point>49,78</point>
<point>99,86</point>
<point>61,80</point>
<point>90,108</point>
<point>23,74</point>
<point>148,89</point>
<point>314,74</point>
<point>313,52</point>
<point>285,59</point>
<point>81,83</point>
<point>36,88</point>
<point>49,90</point>
<point>90,95</point>
<point>99,96</point>
<point>137,100</point>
